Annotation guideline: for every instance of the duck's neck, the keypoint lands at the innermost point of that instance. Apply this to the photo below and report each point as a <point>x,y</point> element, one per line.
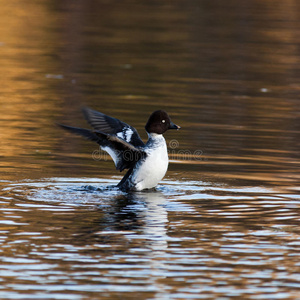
<point>155,139</point>
<point>155,136</point>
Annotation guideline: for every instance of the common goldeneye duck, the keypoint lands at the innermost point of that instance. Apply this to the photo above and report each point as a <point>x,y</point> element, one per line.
<point>147,163</point>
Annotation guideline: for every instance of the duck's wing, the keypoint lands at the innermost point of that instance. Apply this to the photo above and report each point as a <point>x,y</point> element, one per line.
<point>124,154</point>
<point>112,126</point>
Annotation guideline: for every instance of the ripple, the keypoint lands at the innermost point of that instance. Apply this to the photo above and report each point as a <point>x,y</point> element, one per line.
<point>83,235</point>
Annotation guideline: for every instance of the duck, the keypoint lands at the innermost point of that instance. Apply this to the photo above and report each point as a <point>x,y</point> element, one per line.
<point>146,163</point>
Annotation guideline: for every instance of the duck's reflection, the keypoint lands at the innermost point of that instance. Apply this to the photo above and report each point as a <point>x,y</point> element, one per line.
<point>129,227</point>
<point>154,235</point>
<point>155,219</point>
<point>126,220</point>
<point>145,214</point>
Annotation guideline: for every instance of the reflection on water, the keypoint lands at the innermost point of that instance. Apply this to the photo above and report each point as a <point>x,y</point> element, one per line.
<point>81,237</point>
<point>225,221</point>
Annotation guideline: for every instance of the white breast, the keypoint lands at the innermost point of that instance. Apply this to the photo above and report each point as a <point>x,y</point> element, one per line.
<point>152,170</point>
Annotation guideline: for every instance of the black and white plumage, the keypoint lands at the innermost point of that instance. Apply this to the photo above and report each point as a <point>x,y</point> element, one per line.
<point>113,126</point>
<point>146,163</point>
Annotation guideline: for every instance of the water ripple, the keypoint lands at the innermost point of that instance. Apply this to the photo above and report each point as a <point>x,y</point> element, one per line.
<point>80,236</point>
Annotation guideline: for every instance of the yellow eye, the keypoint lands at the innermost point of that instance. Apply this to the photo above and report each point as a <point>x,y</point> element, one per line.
<point>163,121</point>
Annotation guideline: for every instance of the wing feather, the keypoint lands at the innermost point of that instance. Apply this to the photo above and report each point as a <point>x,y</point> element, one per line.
<point>109,125</point>
<point>124,154</point>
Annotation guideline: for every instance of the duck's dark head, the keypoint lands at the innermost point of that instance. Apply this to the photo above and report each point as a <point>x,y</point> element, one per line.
<point>159,122</point>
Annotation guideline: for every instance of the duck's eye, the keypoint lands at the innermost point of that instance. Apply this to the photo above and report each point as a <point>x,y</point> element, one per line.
<point>163,121</point>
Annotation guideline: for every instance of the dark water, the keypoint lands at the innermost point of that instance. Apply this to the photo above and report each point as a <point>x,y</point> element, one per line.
<point>224,223</point>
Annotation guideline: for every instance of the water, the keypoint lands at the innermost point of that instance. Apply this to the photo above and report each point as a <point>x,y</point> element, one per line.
<point>71,237</point>
<point>224,223</point>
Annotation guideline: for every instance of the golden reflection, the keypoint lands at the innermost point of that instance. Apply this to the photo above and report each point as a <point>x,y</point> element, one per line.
<point>25,106</point>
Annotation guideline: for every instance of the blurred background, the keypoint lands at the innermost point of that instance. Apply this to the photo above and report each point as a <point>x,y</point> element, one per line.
<point>228,73</point>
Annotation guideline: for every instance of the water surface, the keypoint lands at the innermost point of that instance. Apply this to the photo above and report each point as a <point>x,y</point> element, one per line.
<point>224,223</point>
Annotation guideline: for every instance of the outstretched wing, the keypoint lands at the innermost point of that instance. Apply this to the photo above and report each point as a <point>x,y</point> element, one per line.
<point>124,154</point>
<point>112,126</point>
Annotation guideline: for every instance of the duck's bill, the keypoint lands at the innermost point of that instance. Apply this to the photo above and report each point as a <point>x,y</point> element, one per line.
<point>174,126</point>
